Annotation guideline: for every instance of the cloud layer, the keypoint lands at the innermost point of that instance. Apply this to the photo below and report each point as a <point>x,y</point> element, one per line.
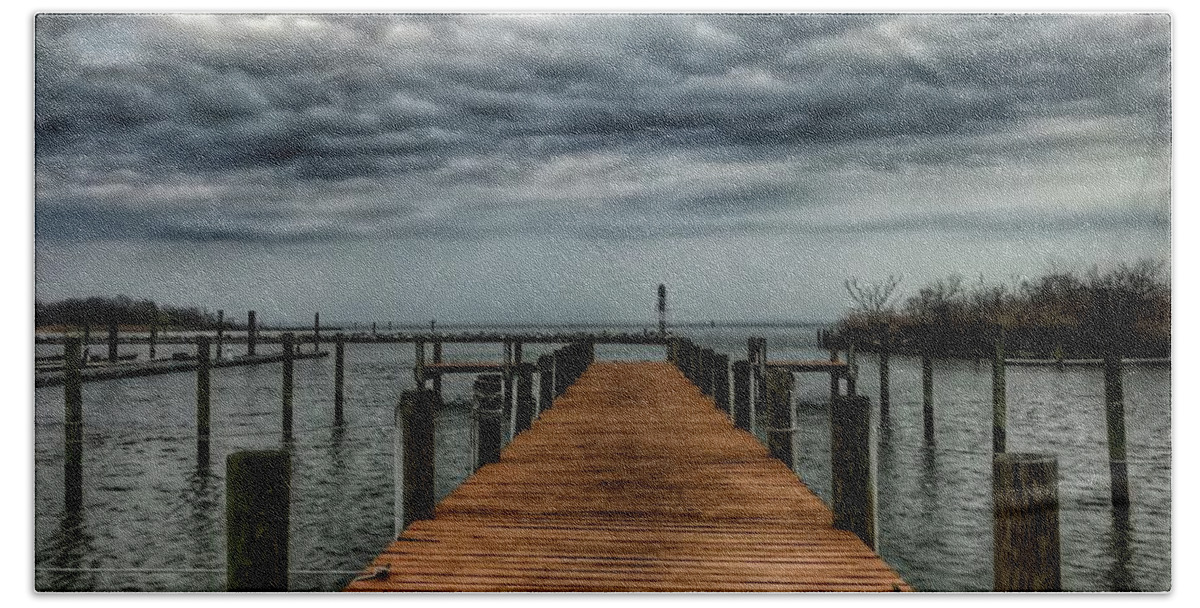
<point>270,129</point>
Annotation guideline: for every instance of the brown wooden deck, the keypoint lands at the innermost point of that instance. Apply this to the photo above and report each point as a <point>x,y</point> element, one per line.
<point>633,481</point>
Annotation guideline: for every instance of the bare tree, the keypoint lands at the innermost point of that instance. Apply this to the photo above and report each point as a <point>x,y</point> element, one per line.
<point>873,298</point>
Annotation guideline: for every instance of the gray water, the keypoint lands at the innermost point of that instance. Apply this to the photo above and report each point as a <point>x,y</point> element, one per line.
<point>153,522</point>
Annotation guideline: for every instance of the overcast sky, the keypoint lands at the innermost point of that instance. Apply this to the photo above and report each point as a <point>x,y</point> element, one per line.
<point>557,168</point>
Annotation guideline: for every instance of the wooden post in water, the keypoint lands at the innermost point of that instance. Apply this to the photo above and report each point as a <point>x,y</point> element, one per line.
<point>885,382</point>
<point>286,342</point>
<point>339,378</point>
<point>87,341</point>
<point>1025,508</point>
<point>525,404</point>
<point>489,418</point>
<point>72,426</point>
<point>257,514</point>
<point>202,402</point>
<point>779,433</point>
<point>721,382</point>
<point>834,381</point>
<point>414,449</point>
<point>153,336</point>
<point>220,334</point>
<point>113,355</point>
<point>316,332</point>
<point>741,395</point>
<point>852,372</point>
<point>927,392</point>
<point>507,394</point>
<point>251,333</point>
<point>853,478</point>
<point>545,382</point>
<point>437,379</point>
<point>999,400</point>
<point>419,363</point>
<point>1114,416</point>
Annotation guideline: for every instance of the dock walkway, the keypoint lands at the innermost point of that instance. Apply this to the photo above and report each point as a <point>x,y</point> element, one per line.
<point>632,481</point>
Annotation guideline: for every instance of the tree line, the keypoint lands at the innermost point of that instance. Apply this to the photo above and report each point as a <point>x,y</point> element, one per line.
<point>123,310</point>
<point>1126,309</point>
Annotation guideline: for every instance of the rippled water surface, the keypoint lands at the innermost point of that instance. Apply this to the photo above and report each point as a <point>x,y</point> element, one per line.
<point>153,521</point>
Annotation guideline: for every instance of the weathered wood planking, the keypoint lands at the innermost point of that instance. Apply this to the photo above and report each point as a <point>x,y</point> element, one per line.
<point>633,481</point>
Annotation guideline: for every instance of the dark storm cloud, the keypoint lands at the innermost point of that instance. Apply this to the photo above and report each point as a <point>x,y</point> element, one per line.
<point>279,128</point>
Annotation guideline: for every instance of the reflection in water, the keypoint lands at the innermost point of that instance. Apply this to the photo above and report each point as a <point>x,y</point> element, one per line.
<point>1119,576</point>
<point>70,546</point>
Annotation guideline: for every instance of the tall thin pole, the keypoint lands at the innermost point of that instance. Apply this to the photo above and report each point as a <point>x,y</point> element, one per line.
<point>662,309</point>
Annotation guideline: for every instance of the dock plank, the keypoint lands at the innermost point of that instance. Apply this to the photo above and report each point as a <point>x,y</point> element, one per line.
<point>633,481</point>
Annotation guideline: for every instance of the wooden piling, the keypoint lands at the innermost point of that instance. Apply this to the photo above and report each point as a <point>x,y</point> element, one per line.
<point>251,333</point>
<point>741,395</point>
<point>339,376</point>
<point>419,363</point>
<point>545,365</point>
<point>113,354</point>
<point>853,488</point>
<point>927,392</point>
<point>72,426</point>
<point>1114,416</point>
<point>87,341</point>
<point>834,380</point>
<point>437,358</point>
<point>415,415</point>
<point>220,334</point>
<point>153,336</point>
<point>286,342</point>
<point>885,383</point>
<point>721,382</point>
<point>779,399</point>
<point>202,402</point>
<point>852,372</point>
<point>489,419</point>
<point>999,400</point>
<point>257,513</point>
<point>316,332</point>
<point>1025,510</point>
<point>507,391</point>
<point>525,404</point>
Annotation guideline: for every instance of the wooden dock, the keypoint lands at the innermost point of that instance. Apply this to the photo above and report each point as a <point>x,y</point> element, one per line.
<point>632,481</point>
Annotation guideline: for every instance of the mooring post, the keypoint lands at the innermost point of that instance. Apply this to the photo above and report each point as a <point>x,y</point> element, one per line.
<point>852,371</point>
<point>437,378</point>
<point>72,426</point>
<point>545,383</point>
<point>251,333</point>
<point>999,400</point>
<point>741,395</point>
<point>339,378</point>
<point>153,336</point>
<point>113,355</point>
<point>721,382</point>
<point>414,450</point>
<point>1114,415</point>
<point>316,332</point>
<point>706,371</point>
<point>779,434</point>
<point>834,377</point>
<point>220,333</point>
<point>489,418</point>
<point>257,513</point>
<point>87,341</point>
<point>927,391</point>
<point>885,384</point>
<point>853,487</point>
<point>202,402</point>
<point>286,342</point>
<point>1025,510</point>
<point>419,363</point>
<point>507,394</point>
<point>525,404</point>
